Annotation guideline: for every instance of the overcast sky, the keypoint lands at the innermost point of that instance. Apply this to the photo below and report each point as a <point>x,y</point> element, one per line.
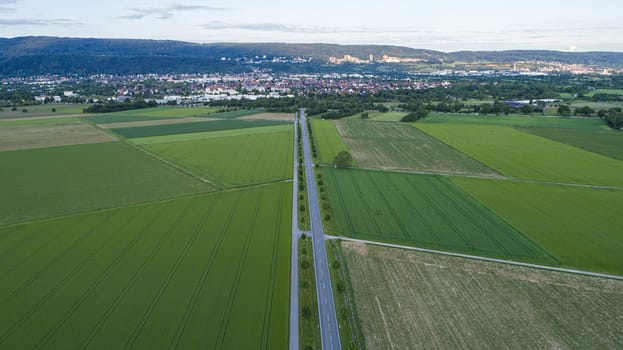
<point>446,25</point>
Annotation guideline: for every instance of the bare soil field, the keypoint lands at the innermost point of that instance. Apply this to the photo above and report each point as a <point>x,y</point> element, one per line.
<point>14,137</point>
<point>413,300</point>
<point>269,116</point>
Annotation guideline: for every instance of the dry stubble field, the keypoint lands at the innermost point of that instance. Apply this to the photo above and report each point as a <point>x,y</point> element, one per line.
<point>412,300</point>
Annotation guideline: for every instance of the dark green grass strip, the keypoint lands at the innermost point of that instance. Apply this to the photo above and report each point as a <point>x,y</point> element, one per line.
<point>237,113</point>
<point>186,128</point>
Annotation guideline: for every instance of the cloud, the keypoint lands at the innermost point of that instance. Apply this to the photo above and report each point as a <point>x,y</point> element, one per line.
<point>166,12</point>
<point>39,22</point>
<point>8,2</point>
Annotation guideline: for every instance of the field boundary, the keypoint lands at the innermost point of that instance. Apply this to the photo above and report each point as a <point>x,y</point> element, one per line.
<point>482,258</point>
<point>483,177</point>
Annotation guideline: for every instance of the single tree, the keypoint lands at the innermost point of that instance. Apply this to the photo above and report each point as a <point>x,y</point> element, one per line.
<point>343,159</point>
<point>564,110</point>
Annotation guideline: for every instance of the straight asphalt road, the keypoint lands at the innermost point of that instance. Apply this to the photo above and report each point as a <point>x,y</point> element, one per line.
<point>329,331</point>
<point>294,265</point>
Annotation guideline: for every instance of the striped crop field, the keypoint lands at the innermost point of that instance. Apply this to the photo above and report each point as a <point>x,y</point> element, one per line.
<point>404,147</point>
<point>424,211</point>
<point>53,181</point>
<point>522,155</point>
<point>238,160</point>
<point>605,142</point>
<point>327,139</point>
<point>581,227</point>
<point>210,271</point>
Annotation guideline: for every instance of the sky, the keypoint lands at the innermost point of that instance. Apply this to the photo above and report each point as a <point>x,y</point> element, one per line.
<point>444,25</point>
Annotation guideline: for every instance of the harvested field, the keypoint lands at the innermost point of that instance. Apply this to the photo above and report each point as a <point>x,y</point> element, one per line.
<point>270,116</point>
<point>26,136</point>
<point>413,300</point>
<point>400,146</point>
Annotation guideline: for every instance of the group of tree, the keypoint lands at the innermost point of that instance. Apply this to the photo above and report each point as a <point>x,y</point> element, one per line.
<point>419,113</point>
<point>112,106</point>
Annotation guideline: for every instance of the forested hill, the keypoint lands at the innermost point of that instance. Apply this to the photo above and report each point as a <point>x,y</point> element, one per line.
<point>25,56</point>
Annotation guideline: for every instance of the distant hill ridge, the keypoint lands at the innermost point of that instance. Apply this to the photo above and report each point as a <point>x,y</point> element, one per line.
<point>40,55</point>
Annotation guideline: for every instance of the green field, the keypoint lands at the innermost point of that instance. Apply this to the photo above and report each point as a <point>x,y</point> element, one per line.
<point>580,226</point>
<point>413,300</point>
<point>185,128</point>
<point>522,155</point>
<point>211,134</point>
<point>525,121</point>
<point>424,211</point>
<point>112,119</point>
<point>41,111</point>
<point>39,121</point>
<point>403,147</point>
<point>387,116</point>
<point>607,142</point>
<point>327,139</point>
<point>235,160</point>
<point>604,91</point>
<point>205,272</point>
<point>596,105</point>
<point>40,183</point>
<point>237,113</point>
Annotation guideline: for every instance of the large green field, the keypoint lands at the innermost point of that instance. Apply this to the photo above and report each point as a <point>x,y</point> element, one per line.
<point>413,300</point>
<point>204,272</point>
<point>424,211</point>
<point>41,111</point>
<point>327,139</point>
<point>524,121</point>
<point>605,91</point>
<point>401,146</point>
<point>605,142</point>
<point>211,134</point>
<point>39,183</point>
<point>580,226</point>
<point>522,155</point>
<point>184,128</point>
<point>234,160</point>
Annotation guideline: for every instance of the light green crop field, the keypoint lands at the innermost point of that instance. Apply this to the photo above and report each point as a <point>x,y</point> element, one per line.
<point>403,147</point>
<point>188,128</point>
<point>413,300</point>
<point>25,136</point>
<point>522,155</point>
<point>204,272</point>
<point>327,139</point>
<point>607,142</point>
<point>525,121</point>
<point>580,226</point>
<point>604,91</point>
<point>211,134</point>
<point>236,160</point>
<point>596,105</point>
<point>42,120</point>
<point>238,113</point>
<point>424,211</point>
<point>45,182</point>
<point>387,116</point>
<point>41,110</point>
